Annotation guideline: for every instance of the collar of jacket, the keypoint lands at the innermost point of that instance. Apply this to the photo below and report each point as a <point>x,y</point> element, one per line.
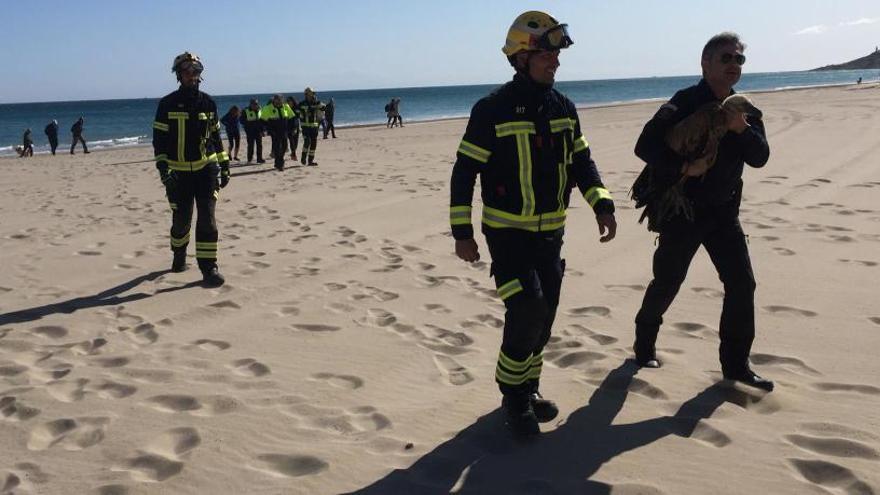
<point>706,92</point>
<point>529,88</point>
<point>189,93</point>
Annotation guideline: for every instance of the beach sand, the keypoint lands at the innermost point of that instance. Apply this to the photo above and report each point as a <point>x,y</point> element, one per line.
<point>351,350</point>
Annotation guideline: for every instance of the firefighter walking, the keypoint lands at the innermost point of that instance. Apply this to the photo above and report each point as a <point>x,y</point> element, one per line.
<point>525,142</point>
<point>192,166</point>
<point>309,114</point>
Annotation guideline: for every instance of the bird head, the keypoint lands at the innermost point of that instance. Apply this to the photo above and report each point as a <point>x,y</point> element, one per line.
<point>740,104</point>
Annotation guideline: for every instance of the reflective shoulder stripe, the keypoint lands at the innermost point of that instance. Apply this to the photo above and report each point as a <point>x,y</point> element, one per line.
<point>509,290</point>
<point>178,115</point>
<point>513,128</point>
<point>472,150</point>
<point>559,125</point>
<point>160,126</point>
<point>595,193</point>
<point>580,144</point>
<point>460,215</point>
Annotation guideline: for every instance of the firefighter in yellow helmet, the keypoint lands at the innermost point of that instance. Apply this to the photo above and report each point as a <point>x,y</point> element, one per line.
<point>192,165</point>
<point>525,142</point>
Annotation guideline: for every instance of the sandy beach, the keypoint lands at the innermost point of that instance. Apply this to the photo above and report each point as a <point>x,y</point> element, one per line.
<point>351,351</point>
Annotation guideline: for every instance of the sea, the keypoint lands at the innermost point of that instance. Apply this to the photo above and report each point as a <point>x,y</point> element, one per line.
<point>119,123</point>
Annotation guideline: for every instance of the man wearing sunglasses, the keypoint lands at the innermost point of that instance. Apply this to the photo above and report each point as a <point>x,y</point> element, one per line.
<point>715,194</point>
<point>524,141</point>
<point>192,166</point>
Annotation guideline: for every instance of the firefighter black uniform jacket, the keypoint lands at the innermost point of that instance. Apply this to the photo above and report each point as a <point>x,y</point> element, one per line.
<point>186,132</point>
<point>525,142</point>
<point>722,184</point>
<point>308,113</point>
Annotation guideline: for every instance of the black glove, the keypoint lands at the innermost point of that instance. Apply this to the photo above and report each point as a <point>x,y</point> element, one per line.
<point>224,174</point>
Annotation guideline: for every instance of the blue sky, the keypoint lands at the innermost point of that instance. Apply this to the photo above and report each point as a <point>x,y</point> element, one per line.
<point>123,49</point>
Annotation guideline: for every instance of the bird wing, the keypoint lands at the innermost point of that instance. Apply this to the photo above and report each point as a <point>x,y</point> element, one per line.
<point>689,137</point>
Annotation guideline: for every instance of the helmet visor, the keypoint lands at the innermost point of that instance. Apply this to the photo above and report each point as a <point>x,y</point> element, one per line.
<point>556,38</point>
<point>190,65</point>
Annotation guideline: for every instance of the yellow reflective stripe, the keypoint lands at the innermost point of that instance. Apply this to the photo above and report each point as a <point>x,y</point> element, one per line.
<point>534,373</point>
<point>512,364</point>
<point>172,205</point>
<point>203,116</point>
<point>192,166</point>
<point>580,144</point>
<point>222,157</point>
<point>512,128</point>
<point>525,174</point>
<point>206,245</point>
<point>160,158</point>
<point>510,379</point>
<point>595,193</point>
<point>178,115</point>
<point>160,126</point>
<point>309,124</point>
<point>559,125</point>
<point>510,289</point>
<point>534,223</point>
<point>175,242</point>
<point>472,150</point>
<point>460,215</point>
<point>206,254</point>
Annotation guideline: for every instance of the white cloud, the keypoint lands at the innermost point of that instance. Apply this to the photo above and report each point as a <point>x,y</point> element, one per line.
<point>863,20</point>
<point>821,28</point>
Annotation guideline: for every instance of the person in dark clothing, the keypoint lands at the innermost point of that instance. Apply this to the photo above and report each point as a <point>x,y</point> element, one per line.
<point>76,130</point>
<point>27,144</point>
<point>524,141</point>
<point>395,113</point>
<point>292,125</point>
<point>51,131</point>
<point>715,194</point>
<point>275,119</point>
<point>309,113</point>
<point>329,111</point>
<point>192,165</point>
<point>253,129</point>
<point>233,134</point>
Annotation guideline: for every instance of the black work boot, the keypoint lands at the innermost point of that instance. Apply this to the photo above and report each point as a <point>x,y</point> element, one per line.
<point>750,378</point>
<point>644,347</point>
<point>179,263</point>
<point>313,163</point>
<point>211,277</point>
<point>545,410</point>
<point>520,415</point>
<point>303,158</point>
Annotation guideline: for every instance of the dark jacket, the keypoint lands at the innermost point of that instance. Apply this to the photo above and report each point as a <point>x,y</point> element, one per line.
<point>525,142</point>
<point>251,121</point>
<point>723,182</point>
<point>308,112</point>
<point>230,123</point>
<point>26,139</point>
<point>186,132</point>
<point>51,131</point>
<point>77,128</point>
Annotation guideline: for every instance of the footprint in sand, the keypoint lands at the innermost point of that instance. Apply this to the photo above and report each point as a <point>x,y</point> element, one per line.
<point>830,475</point>
<point>641,387</point>
<point>858,262</point>
<point>694,330</point>
<point>162,458</point>
<point>107,389</point>
<point>225,305</point>
<point>348,382</point>
<point>589,311</point>
<point>67,390</point>
<point>144,334</point>
<point>339,308</point>
<point>378,317</point>
<point>573,359</point>
<point>289,466</point>
<point>771,360</point>
<point>847,387</point>
<point>110,362</point>
<point>789,311</point>
<point>12,409</point>
<point>174,403</point>
<point>353,421</point>
<point>315,327</point>
<point>784,251</point>
<point>836,447</point>
<point>708,292</point>
<point>50,331</point>
<point>837,430</point>
<point>210,345</point>
<point>626,287</point>
<point>250,367</point>
<point>333,287</point>
<point>455,373</point>
<point>437,309</point>
<point>68,433</point>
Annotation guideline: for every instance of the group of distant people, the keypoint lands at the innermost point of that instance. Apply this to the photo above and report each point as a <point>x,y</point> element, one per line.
<point>27,145</point>
<point>392,110</point>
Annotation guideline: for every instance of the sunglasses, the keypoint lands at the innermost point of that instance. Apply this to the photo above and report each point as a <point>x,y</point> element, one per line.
<point>739,58</point>
<point>555,38</point>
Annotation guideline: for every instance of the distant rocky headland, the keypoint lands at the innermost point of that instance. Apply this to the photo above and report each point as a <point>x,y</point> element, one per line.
<point>871,61</point>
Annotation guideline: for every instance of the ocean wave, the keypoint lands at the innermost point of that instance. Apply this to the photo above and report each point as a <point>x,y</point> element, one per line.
<point>100,144</point>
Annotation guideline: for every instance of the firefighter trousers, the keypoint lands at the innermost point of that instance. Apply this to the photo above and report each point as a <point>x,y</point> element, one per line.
<point>528,274</point>
<point>254,138</point>
<point>724,240</point>
<point>202,188</point>
<point>310,142</point>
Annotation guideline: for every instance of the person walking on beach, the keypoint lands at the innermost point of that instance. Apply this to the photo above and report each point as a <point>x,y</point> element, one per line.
<point>253,129</point>
<point>715,194</point>
<point>51,131</point>
<point>329,112</point>
<point>395,112</point>
<point>192,166</point>
<point>309,114</point>
<point>388,107</point>
<point>76,130</point>
<point>233,133</point>
<point>275,119</point>
<point>27,144</point>
<point>525,141</point>
<point>290,109</point>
